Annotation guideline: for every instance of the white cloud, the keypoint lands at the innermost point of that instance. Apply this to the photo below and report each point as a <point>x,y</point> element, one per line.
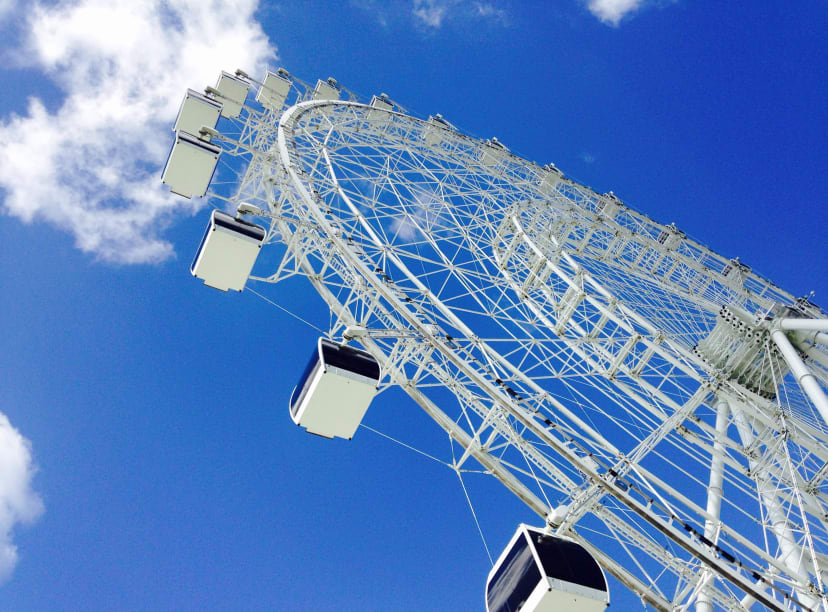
<point>420,218</point>
<point>18,503</point>
<point>6,7</point>
<point>92,166</point>
<point>490,11</point>
<point>430,12</point>
<point>612,11</point>
<point>381,11</point>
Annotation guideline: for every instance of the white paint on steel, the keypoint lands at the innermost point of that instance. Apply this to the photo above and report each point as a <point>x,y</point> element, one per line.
<point>802,373</point>
<point>561,323</point>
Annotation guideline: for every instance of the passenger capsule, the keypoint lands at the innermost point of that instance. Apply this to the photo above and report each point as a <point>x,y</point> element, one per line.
<point>190,165</point>
<point>335,390</point>
<point>538,572</point>
<point>197,111</point>
<point>227,252</point>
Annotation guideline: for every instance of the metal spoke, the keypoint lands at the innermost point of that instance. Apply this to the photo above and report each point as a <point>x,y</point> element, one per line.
<point>586,356</point>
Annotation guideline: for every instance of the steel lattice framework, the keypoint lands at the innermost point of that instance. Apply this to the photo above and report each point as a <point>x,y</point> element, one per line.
<point>628,384</point>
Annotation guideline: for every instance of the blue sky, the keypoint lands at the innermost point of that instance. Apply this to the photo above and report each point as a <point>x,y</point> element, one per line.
<point>147,460</point>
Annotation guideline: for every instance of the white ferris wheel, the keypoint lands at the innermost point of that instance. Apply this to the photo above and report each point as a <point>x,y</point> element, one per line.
<point>654,402</point>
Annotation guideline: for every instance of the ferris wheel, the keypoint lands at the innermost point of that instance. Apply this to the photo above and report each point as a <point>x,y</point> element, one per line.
<point>654,402</point>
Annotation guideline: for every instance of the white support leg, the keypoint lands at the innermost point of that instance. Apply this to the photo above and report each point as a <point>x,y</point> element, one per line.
<point>814,337</point>
<point>806,343</point>
<point>818,328</point>
<point>810,385</point>
<point>790,553</point>
<point>704,603</point>
<point>817,325</point>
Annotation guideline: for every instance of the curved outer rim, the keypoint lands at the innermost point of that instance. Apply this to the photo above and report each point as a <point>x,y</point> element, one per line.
<point>668,529</point>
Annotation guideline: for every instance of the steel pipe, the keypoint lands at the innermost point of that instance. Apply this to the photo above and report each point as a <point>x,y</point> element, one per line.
<point>704,603</point>
<point>804,324</point>
<point>805,342</point>
<point>810,385</point>
<point>790,553</point>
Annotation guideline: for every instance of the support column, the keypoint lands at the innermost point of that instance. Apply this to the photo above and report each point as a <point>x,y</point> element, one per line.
<point>817,325</point>
<point>704,603</point>
<point>809,383</point>
<point>807,344</point>
<point>790,553</point>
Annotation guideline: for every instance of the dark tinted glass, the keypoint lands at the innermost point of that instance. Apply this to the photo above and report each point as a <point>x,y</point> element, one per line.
<point>514,580</point>
<point>197,142</point>
<point>299,391</point>
<point>237,225</point>
<point>568,561</point>
<point>350,359</point>
<point>200,246</point>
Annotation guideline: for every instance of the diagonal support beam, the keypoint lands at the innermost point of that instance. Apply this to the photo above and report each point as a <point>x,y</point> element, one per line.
<point>809,383</point>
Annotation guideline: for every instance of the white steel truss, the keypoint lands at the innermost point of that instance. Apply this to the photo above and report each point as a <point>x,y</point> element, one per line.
<point>668,401</point>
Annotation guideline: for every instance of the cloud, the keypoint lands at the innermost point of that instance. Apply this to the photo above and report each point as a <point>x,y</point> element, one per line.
<point>612,11</point>
<point>92,166</point>
<point>435,13</point>
<point>488,10</point>
<point>18,503</point>
<point>380,10</point>
<point>430,12</point>
<point>423,216</point>
<point>6,7</point>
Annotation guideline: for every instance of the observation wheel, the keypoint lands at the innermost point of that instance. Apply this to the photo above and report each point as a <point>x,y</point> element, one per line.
<point>659,404</point>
